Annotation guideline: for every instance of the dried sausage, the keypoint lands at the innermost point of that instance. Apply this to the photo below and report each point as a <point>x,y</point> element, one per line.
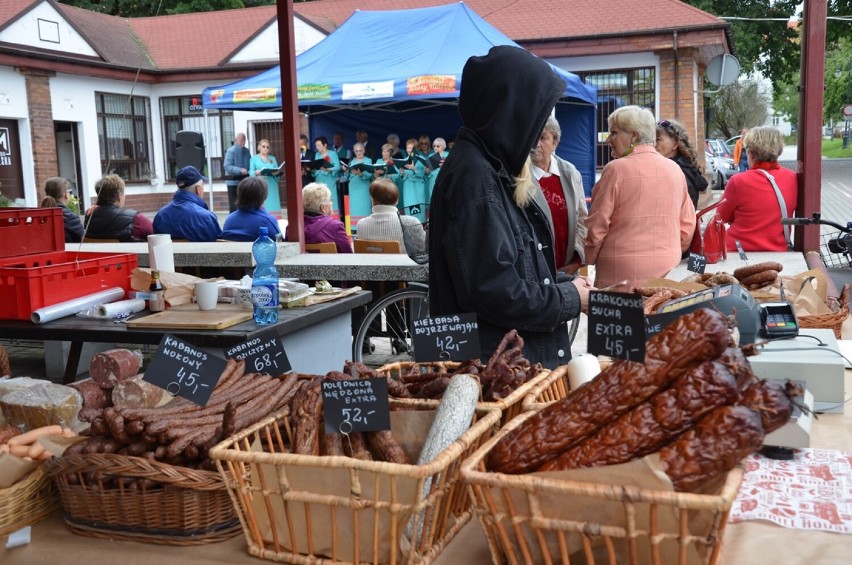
<point>772,401</point>
<point>713,446</point>
<point>685,343</point>
<point>655,422</point>
<point>115,365</point>
<point>749,270</point>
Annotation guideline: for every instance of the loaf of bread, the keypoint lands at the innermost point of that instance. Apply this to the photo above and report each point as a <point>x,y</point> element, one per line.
<point>42,405</point>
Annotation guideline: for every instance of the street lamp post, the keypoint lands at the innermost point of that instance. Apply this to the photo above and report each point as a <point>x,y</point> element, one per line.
<point>846,118</point>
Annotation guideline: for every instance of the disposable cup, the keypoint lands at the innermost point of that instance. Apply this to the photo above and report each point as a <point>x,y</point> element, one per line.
<point>206,295</point>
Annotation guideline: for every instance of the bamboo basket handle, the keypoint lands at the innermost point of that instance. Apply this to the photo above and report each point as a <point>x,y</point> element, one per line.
<point>136,467</point>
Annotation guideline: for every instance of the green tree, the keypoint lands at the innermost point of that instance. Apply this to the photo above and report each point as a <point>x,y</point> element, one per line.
<point>838,80</point>
<point>770,46</point>
<point>739,105</point>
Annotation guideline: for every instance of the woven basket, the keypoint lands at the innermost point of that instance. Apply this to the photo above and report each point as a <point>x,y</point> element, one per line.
<point>322,510</point>
<point>833,321</point>
<point>548,390</point>
<point>525,520</point>
<point>28,501</point>
<point>510,406</point>
<point>181,507</point>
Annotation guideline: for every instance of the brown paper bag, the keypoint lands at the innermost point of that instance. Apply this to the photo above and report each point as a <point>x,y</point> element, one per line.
<point>644,473</point>
<point>179,287</point>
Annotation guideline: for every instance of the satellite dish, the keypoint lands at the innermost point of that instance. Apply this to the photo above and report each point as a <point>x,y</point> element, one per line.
<point>723,70</point>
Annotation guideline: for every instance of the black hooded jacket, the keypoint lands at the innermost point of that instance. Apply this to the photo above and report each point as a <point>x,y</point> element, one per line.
<point>695,181</point>
<point>487,254</point>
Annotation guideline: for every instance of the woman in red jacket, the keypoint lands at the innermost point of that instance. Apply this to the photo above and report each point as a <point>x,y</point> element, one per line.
<point>751,206</point>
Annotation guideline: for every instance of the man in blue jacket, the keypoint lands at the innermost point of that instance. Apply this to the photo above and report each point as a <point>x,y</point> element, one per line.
<point>187,216</point>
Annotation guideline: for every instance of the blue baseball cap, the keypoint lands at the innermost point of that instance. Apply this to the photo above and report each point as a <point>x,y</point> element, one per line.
<point>188,176</point>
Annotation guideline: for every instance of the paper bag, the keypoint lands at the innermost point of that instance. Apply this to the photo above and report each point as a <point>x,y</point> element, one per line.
<point>179,287</point>
<point>595,511</point>
<point>315,488</point>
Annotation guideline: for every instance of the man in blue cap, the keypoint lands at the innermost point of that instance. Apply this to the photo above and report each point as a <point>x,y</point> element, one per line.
<point>187,216</point>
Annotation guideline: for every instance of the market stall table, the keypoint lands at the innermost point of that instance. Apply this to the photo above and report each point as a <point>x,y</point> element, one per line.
<point>746,542</point>
<point>304,331</point>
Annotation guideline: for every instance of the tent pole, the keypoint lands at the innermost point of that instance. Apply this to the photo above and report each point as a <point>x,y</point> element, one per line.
<point>207,156</point>
<point>290,119</point>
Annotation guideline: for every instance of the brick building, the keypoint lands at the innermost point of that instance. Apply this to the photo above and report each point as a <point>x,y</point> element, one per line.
<point>83,93</point>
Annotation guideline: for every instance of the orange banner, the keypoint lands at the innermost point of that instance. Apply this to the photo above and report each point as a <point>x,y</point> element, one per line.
<point>431,84</point>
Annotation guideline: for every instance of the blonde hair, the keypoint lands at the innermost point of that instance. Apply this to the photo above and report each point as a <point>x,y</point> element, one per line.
<point>524,186</point>
<point>109,189</point>
<point>765,143</point>
<point>638,120</point>
<point>313,197</point>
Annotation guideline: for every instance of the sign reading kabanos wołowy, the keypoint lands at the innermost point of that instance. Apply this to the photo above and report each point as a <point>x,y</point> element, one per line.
<point>431,84</point>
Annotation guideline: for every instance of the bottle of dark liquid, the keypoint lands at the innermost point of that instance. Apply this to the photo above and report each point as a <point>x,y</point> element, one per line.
<point>156,300</point>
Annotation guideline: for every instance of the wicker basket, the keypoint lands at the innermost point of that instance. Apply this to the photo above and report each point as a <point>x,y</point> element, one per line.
<point>28,501</point>
<point>181,507</point>
<point>510,406</point>
<point>524,517</point>
<point>322,510</point>
<point>548,390</point>
<point>833,321</point>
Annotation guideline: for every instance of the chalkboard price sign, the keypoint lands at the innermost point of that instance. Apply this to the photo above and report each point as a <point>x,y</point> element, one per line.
<point>184,370</point>
<point>617,325</point>
<point>696,263</point>
<point>351,406</point>
<point>446,338</point>
<point>263,354</point>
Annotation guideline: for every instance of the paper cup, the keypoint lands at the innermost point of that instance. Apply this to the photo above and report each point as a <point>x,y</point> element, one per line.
<point>206,295</point>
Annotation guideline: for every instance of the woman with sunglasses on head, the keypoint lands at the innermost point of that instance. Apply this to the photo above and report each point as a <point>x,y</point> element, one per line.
<point>673,142</point>
<point>263,160</point>
<point>641,218</point>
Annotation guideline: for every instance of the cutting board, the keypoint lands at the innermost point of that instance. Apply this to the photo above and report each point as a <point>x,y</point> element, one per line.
<point>189,317</point>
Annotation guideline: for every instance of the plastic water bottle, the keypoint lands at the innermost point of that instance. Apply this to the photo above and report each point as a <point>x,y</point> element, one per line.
<point>264,283</point>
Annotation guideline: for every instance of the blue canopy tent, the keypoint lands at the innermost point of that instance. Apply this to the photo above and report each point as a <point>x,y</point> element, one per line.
<point>369,74</point>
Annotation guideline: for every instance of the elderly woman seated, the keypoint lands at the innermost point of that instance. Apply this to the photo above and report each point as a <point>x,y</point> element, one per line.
<point>110,219</point>
<point>320,226</point>
<point>245,222</point>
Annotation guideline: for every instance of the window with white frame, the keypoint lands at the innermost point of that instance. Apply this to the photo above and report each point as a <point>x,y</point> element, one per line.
<point>124,135</point>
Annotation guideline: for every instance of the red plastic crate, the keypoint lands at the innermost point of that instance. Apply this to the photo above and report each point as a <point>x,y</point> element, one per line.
<point>25,231</point>
<point>32,282</point>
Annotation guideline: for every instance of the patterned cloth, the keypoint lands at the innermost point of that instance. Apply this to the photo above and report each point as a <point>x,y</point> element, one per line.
<point>813,491</point>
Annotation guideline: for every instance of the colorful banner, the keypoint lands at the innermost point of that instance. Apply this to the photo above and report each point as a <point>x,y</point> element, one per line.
<point>256,95</point>
<point>367,90</point>
<point>431,84</point>
<point>314,92</point>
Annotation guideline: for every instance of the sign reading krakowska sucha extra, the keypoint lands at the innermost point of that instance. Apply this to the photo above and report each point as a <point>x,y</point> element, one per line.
<point>617,325</point>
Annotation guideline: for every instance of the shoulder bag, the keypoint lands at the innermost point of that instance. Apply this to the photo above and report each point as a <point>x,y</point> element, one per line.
<point>782,204</point>
<point>712,243</point>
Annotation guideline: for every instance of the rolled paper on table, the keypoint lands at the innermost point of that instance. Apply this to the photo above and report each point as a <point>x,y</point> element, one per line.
<point>582,369</point>
<point>160,253</point>
<point>71,307</point>
<point>121,307</point>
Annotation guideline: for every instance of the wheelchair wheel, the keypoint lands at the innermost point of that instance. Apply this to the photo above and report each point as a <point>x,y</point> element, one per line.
<point>384,335</point>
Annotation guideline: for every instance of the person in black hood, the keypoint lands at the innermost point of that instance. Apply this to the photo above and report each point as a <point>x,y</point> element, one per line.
<point>490,244</point>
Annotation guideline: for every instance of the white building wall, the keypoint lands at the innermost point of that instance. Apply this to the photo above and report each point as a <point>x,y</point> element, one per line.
<point>264,46</point>
<point>13,106</point>
<point>44,27</point>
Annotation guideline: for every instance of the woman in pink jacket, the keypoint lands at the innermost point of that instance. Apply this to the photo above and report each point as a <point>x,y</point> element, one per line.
<point>641,218</point>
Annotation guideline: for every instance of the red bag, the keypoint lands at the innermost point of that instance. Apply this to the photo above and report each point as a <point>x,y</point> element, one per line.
<point>713,242</point>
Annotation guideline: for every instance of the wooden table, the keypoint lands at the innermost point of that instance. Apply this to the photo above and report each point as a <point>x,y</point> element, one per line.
<point>304,331</point>
<point>744,543</point>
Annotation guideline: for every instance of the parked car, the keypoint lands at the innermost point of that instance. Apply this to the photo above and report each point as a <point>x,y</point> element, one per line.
<point>722,156</point>
<point>710,170</point>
